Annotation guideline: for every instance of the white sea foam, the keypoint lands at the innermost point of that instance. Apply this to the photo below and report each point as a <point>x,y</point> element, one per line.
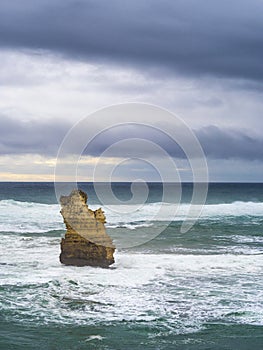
<point>184,291</point>
<point>131,226</point>
<point>25,217</point>
<point>95,337</point>
<point>247,239</point>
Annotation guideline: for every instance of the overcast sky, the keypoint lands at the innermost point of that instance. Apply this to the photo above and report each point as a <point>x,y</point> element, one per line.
<point>60,60</point>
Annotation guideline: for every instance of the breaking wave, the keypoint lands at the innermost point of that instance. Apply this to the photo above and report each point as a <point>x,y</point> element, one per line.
<point>29,217</point>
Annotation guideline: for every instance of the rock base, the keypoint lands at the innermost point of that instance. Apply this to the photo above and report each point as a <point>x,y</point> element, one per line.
<point>78,251</point>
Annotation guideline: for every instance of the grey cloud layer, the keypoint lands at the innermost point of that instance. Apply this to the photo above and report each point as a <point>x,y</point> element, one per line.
<point>18,137</point>
<point>219,38</point>
<point>228,143</point>
<point>217,143</point>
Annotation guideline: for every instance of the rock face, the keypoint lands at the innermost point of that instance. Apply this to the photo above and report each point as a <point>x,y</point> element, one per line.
<point>86,241</point>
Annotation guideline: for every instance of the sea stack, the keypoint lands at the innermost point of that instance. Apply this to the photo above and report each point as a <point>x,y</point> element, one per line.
<point>86,241</point>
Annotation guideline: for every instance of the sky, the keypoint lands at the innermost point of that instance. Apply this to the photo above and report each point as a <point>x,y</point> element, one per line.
<point>62,60</point>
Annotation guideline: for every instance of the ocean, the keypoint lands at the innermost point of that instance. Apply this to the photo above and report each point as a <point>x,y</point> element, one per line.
<point>202,289</point>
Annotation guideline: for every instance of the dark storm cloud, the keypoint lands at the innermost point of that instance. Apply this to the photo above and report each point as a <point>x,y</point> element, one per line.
<point>20,137</point>
<point>45,137</point>
<point>226,144</point>
<point>217,143</point>
<point>219,38</point>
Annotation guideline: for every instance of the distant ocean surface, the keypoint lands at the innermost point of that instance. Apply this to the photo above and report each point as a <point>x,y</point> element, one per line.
<point>197,290</point>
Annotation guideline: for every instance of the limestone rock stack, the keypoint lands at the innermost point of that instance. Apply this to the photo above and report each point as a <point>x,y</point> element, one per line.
<point>86,241</point>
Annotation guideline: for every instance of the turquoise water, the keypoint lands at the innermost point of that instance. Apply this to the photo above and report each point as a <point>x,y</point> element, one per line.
<point>197,290</point>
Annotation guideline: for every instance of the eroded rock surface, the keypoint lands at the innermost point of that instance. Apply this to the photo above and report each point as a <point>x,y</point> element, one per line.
<point>86,241</point>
